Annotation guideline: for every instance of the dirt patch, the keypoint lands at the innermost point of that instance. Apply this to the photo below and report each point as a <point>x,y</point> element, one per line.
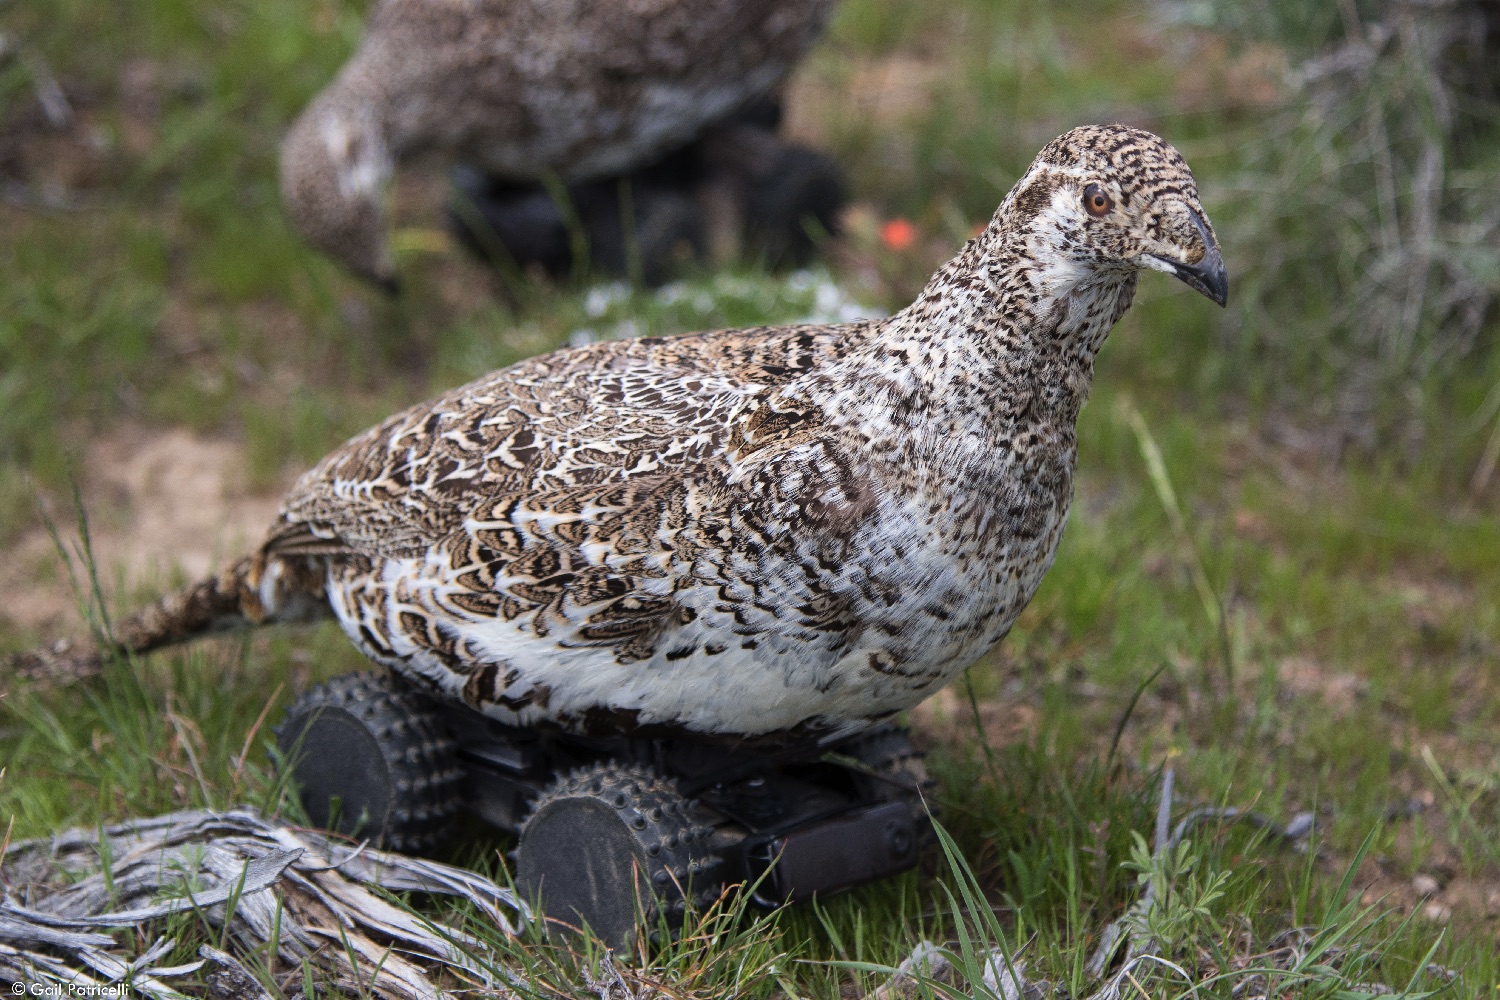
<point>1436,899</point>
<point>947,717</point>
<point>163,506</point>
<point>1305,677</point>
<point>1433,606</point>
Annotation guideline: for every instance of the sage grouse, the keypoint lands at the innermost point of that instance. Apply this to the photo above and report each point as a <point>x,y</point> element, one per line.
<point>781,533</point>
<point>526,90</point>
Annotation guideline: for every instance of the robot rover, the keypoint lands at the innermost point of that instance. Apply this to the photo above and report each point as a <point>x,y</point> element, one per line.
<point>595,819</point>
<point>782,196</point>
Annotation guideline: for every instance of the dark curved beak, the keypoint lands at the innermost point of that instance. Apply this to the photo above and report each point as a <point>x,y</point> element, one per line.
<point>1208,275</point>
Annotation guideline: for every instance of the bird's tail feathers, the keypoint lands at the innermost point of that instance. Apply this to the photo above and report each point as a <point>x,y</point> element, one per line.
<point>254,591</point>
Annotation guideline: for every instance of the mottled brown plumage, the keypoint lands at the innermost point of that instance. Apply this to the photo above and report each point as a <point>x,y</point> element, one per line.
<point>786,530</point>
<point>576,89</point>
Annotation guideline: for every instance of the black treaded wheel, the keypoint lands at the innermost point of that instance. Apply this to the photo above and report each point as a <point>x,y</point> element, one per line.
<point>899,771</point>
<point>803,192</point>
<point>372,759</point>
<point>669,235</point>
<point>600,834</point>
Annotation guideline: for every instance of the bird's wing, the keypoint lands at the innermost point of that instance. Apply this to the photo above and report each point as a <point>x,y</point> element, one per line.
<point>540,432</point>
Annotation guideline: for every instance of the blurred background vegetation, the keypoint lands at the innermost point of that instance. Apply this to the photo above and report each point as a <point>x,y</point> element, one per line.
<point>1314,565</point>
<point>1348,150</point>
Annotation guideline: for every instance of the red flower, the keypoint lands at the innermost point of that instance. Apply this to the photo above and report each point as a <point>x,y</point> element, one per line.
<point>898,234</point>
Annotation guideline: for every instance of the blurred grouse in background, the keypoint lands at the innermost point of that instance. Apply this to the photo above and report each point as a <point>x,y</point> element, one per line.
<point>785,533</point>
<point>576,93</point>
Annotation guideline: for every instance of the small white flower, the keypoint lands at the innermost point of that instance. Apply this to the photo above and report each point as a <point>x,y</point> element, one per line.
<point>601,297</point>
<point>828,298</point>
<point>671,294</point>
<point>800,281</point>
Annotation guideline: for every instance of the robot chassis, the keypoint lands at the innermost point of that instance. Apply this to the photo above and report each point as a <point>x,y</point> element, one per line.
<point>785,198</point>
<point>609,831</point>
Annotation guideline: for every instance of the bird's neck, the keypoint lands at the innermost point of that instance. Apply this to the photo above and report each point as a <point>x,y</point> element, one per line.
<point>1003,336</point>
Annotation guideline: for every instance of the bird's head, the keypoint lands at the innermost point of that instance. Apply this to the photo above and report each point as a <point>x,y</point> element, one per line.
<point>334,168</point>
<point>1112,197</point>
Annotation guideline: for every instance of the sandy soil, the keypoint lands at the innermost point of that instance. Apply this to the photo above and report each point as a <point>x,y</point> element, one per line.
<point>163,505</point>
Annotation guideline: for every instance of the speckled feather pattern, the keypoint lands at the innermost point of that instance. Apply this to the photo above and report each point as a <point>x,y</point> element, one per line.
<point>526,88</point>
<point>765,532</point>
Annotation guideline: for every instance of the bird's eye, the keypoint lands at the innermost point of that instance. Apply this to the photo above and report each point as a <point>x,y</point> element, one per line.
<point>1096,202</point>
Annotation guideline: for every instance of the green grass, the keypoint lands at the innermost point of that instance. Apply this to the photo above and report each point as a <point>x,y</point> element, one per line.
<point>1326,632</point>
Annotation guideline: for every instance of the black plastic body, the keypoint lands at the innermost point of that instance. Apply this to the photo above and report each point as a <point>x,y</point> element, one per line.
<point>652,220</point>
<point>791,824</point>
